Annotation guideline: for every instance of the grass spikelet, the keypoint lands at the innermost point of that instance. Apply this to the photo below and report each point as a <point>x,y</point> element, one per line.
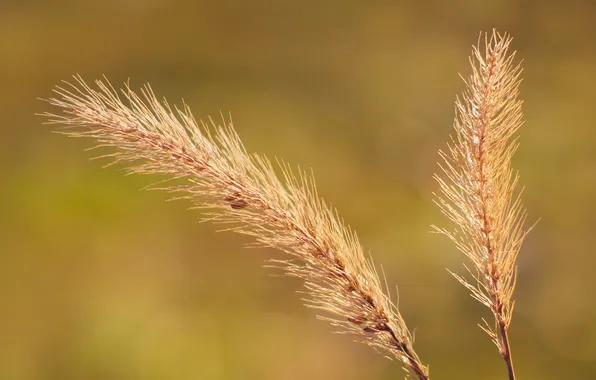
<point>150,137</point>
<point>478,186</point>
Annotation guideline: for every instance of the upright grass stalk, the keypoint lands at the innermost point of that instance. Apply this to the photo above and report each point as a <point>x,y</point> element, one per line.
<point>243,190</point>
<point>478,185</point>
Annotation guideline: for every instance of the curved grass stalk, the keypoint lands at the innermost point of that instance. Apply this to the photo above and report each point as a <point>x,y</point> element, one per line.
<point>243,190</point>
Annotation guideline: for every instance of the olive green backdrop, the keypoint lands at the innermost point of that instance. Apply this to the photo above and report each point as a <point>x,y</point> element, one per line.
<point>99,280</point>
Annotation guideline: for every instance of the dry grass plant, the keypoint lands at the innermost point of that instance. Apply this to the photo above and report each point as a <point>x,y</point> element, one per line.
<point>285,212</point>
<point>478,186</point>
<point>243,190</point>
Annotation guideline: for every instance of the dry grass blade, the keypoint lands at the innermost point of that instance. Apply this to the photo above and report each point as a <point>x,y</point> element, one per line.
<point>241,189</point>
<point>478,185</point>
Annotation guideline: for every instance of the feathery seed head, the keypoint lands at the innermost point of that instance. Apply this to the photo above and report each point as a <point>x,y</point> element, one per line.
<point>477,184</point>
<point>243,190</point>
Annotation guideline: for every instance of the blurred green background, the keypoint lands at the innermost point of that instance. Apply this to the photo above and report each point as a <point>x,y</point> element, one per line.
<point>99,280</point>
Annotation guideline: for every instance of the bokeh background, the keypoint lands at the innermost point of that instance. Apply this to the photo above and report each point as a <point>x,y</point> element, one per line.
<point>99,280</point>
